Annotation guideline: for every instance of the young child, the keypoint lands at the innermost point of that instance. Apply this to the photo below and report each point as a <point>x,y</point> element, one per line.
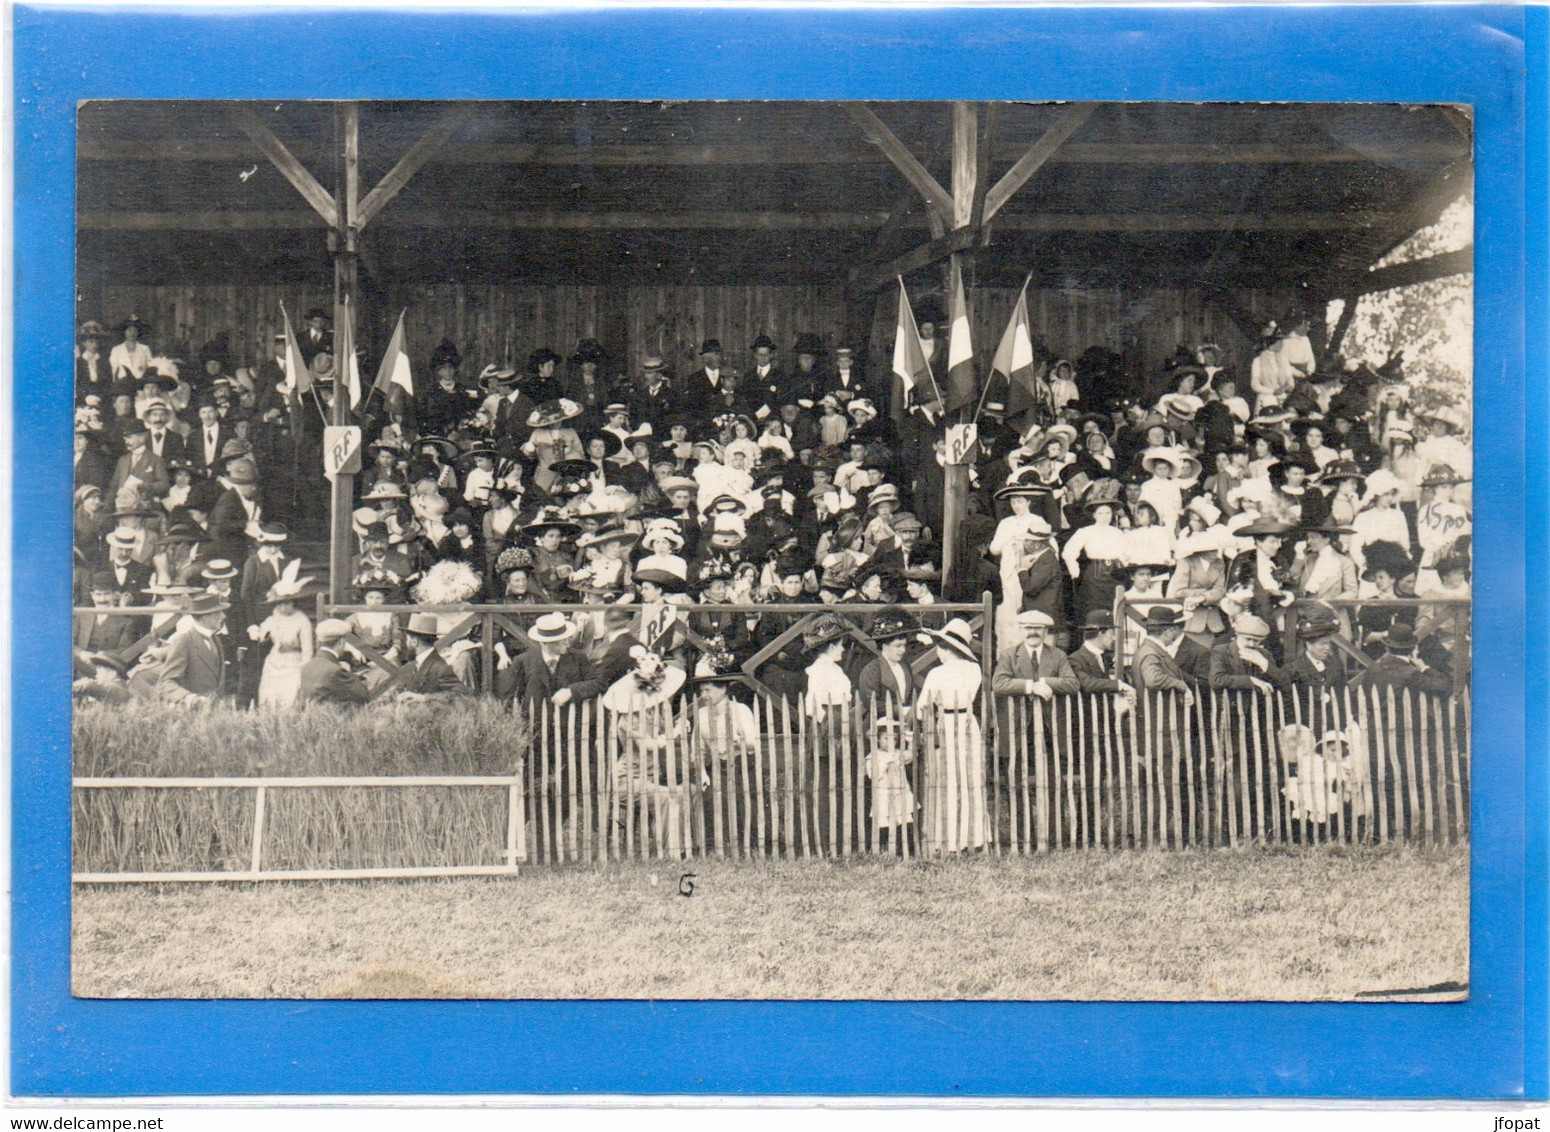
<point>893,802</point>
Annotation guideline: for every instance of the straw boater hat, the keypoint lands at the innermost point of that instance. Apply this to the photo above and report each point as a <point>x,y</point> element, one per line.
<point>218,570</point>
<point>551,629</point>
<point>957,637</point>
<point>649,684</point>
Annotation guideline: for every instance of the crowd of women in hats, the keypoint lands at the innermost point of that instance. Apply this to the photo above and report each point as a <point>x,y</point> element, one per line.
<point>1224,509</point>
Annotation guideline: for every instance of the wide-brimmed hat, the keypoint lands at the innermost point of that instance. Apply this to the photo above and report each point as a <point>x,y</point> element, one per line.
<point>824,630</point>
<point>1339,470</point>
<point>1329,527</point>
<point>108,660</point>
<point>957,636</point>
<point>447,447</point>
<point>552,517</point>
<point>679,483</point>
<point>1318,628</point>
<point>612,441</point>
<point>1184,465</point>
<point>1103,493</point>
<point>1181,405</point>
<point>1263,527</point>
<point>1025,488</point>
<point>479,450</point>
<point>1381,482</point>
<point>629,693</point>
<point>882,493</point>
<point>1441,474</point>
<point>498,376</point>
<point>551,413</point>
<point>607,534</point>
<point>1206,508</point>
<point>669,580</point>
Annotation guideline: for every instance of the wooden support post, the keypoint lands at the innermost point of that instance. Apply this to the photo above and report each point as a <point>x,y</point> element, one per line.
<point>345,270</point>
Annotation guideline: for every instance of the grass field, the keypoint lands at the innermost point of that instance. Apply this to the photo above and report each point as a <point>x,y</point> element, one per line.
<point>1289,925</point>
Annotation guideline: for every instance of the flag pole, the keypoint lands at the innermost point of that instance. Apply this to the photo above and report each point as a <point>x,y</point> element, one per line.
<point>1021,292</point>
<point>934,387</point>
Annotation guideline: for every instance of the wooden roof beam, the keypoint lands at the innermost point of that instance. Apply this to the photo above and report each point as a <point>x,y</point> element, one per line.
<point>897,152</point>
<point>219,150</point>
<point>239,221</point>
<point>293,170</point>
<point>1412,272</point>
<point>411,163</point>
<point>1066,123</point>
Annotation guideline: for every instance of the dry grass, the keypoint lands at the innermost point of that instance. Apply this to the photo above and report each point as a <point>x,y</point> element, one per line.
<point>171,830</point>
<point>1288,925</point>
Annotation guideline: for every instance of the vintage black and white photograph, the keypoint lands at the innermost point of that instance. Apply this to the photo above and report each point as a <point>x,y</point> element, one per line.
<point>772,550</point>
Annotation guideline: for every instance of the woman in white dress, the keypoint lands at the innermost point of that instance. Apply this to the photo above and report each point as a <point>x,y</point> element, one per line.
<point>955,806</point>
<point>289,633</point>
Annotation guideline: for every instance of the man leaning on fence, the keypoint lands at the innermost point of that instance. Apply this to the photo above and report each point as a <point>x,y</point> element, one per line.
<point>1155,666</point>
<point>1034,667</point>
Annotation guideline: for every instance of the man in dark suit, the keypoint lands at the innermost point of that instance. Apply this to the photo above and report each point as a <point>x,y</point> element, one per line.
<point>262,570</point>
<point>1091,661</point>
<point>1155,666</point>
<point>1320,665</point>
<point>162,440</point>
<point>326,679</point>
<point>764,385</point>
<point>207,438</point>
<point>1242,663</point>
<point>315,338</point>
<point>194,670</point>
<point>509,408</point>
<point>429,676</point>
<point>105,631</point>
<point>233,511</point>
<point>438,410</point>
<point>1035,667</point>
<point>845,382</point>
<point>139,466</point>
<point>652,398</point>
<point>129,578</point>
<point>1400,668</point>
<point>705,394</point>
<point>546,669</point>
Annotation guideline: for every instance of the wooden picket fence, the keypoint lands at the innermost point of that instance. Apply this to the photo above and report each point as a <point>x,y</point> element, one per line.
<point>1223,770</point>
<point>772,779</point>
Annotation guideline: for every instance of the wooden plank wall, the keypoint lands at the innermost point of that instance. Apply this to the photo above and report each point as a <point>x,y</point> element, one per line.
<point>503,323</point>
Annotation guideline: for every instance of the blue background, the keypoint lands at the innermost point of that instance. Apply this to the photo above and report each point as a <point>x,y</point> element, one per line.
<point>1491,57</point>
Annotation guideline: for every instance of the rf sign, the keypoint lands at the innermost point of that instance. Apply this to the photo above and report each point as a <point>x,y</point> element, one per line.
<point>656,620</point>
<point>962,440</point>
<point>341,450</point>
